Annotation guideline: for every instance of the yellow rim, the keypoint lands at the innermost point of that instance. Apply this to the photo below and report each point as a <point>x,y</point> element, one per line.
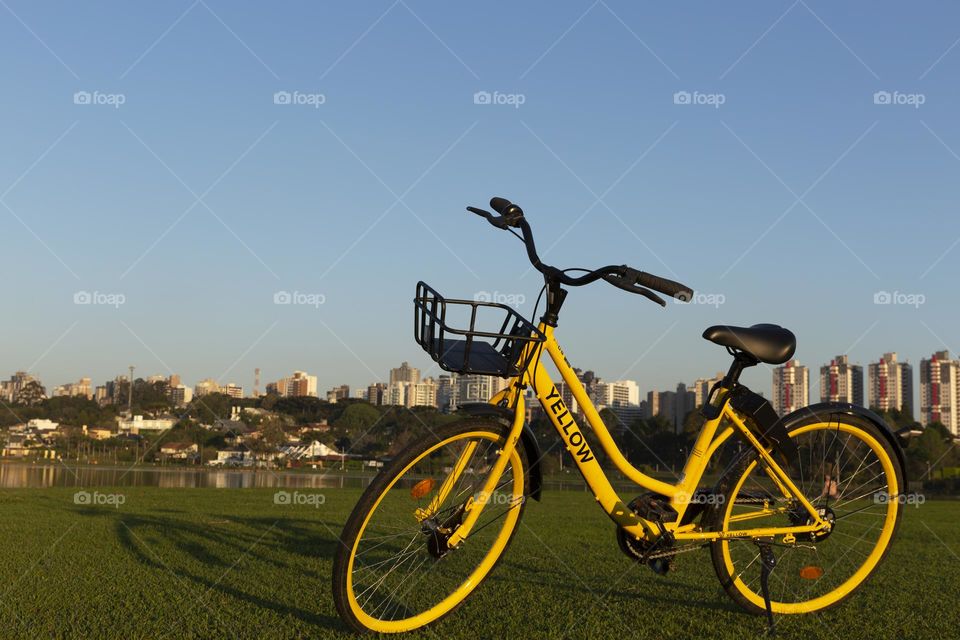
<point>874,556</point>
<point>478,574</point>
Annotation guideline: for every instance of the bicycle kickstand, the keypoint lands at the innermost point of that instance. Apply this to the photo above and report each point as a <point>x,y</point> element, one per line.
<point>767,563</point>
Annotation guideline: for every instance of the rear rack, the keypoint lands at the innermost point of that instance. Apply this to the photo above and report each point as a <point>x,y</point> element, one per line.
<point>469,350</point>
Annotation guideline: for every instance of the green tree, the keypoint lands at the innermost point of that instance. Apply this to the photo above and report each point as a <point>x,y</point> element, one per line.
<point>358,418</point>
<point>31,394</point>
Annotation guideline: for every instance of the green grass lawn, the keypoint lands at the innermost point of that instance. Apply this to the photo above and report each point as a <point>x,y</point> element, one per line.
<point>207,563</point>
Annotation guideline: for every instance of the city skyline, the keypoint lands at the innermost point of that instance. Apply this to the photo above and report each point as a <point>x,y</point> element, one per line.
<point>840,380</point>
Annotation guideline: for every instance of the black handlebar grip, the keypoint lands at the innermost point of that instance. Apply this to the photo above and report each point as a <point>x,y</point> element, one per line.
<point>669,287</point>
<point>499,204</point>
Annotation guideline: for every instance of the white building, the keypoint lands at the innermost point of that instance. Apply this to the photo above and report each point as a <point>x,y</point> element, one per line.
<point>308,451</point>
<point>791,387</point>
<point>138,424</point>
<point>940,391</point>
<point>841,381</point>
<point>83,388</point>
<point>42,424</point>
<point>299,384</point>
<point>181,395</point>
<point>475,388</point>
<point>891,384</point>
<point>421,394</point>
<point>205,387</point>
<point>618,393</point>
<point>701,388</point>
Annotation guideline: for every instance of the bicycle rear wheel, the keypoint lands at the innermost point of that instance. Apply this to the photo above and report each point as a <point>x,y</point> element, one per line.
<point>850,473</point>
<point>393,571</point>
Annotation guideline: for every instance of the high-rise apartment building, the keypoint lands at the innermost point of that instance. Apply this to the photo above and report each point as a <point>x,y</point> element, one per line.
<point>80,389</point>
<point>617,393</point>
<point>841,381</point>
<point>891,384</point>
<point>422,394</point>
<point>447,392</point>
<point>232,390</point>
<point>701,388</point>
<point>181,395</point>
<point>206,387</point>
<point>10,388</point>
<point>336,394</point>
<point>375,393</point>
<point>476,388</point>
<point>940,391</point>
<point>405,373</point>
<point>300,384</point>
<point>672,405</point>
<point>791,387</point>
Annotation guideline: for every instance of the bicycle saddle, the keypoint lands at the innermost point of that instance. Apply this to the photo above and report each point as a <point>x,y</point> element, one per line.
<point>768,343</point>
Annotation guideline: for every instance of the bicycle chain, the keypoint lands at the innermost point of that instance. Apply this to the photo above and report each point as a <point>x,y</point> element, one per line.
<point>669,553</point>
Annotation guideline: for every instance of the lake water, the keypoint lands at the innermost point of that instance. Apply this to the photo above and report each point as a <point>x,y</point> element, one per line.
<point>20,476</point>
<point>34,476</point>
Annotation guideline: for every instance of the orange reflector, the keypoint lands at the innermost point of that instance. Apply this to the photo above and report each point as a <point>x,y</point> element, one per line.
<point>811,572</point>
<point>421,489</point>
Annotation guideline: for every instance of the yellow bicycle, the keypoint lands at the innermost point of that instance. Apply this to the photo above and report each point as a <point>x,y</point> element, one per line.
<point>801,517</point>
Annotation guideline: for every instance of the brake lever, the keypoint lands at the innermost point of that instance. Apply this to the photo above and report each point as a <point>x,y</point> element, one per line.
<point>619,282</point>
<point>496,221</point>
<point>480,212</point>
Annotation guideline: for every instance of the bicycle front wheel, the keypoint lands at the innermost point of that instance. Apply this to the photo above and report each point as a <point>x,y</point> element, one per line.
<point>393,571</point>
<point>851,475</point>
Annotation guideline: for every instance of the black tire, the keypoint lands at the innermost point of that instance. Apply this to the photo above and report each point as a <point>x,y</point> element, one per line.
<point>727,485</point>
<point>385,479</point>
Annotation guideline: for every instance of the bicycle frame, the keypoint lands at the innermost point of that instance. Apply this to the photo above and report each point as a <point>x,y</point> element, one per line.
<point>708,441</point>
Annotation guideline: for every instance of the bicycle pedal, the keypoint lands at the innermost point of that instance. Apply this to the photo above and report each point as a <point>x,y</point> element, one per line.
<point>661,566</point>
<point>654,507</point>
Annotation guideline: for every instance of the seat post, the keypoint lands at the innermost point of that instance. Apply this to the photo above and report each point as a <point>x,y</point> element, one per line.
<point>741,360</point>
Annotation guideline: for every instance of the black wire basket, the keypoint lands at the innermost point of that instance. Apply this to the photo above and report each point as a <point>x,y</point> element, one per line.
<point>451,331</point>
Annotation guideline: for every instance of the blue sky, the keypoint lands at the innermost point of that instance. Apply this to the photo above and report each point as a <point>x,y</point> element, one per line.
<point>198,198</point>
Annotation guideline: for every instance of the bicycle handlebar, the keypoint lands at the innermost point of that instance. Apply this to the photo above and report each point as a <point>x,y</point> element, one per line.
<point>620,276</point>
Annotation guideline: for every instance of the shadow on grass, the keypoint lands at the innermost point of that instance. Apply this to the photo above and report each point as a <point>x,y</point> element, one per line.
<point>207,552</point>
